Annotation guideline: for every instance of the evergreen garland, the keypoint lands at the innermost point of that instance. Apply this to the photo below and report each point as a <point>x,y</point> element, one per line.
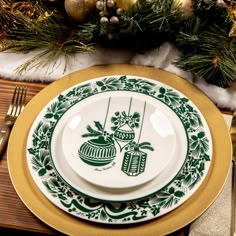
<point>203,37</point>
<point>206,48</point>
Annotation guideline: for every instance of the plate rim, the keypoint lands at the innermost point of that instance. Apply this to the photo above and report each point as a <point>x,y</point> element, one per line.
<point>174,193</point>
<point>170,79</point>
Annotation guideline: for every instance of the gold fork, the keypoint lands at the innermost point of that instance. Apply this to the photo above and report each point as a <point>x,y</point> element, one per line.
<point>16,107</point>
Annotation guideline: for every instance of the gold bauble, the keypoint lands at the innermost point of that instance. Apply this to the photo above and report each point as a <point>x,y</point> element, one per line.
<point>79,10</point>
<point>186,5</point>
<point>124,4</point>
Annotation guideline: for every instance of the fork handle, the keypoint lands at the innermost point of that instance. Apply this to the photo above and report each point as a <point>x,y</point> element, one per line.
<point>4,136</point>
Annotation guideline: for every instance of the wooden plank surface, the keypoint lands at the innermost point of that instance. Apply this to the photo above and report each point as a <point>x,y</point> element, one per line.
<point>14,215</point>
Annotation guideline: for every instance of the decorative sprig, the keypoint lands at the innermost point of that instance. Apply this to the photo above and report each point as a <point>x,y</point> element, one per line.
<point>136,147</point>
<point>100,132</point>
<point>121,118</point>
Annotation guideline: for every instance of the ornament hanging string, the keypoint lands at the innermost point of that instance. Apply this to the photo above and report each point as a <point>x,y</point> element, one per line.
<point>108,106</point>
<point>141,127</point>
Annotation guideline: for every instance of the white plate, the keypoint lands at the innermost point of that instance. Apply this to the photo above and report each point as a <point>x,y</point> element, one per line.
<point>129,139</point>
<point>177,154</point>
<point>176,191</point>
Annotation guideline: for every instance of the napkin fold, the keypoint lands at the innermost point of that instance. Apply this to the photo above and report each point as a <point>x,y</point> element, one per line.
<point>161,58</point>
<point>216,220</point>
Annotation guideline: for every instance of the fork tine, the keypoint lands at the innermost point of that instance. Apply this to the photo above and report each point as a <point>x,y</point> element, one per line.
<point>11,107</point>
<point>20,101</point>
<point>23,99</point>
<point>16,101</point>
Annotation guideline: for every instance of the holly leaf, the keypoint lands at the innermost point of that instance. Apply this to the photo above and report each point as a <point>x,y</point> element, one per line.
<point>98,125</point>
<point>179,194</point>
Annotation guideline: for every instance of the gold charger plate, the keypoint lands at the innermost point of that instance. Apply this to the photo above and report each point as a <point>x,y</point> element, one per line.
<point>34,199</point>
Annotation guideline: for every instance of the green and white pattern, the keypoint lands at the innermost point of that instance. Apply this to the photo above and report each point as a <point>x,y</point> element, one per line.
<point>100,149</point>
<point>172,195</point>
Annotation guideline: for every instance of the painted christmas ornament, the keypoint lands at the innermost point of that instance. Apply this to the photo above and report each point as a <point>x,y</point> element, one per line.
<point>134,162</point>
<point>97,152</point>
<point>79,10</point>
<point>124,135</point>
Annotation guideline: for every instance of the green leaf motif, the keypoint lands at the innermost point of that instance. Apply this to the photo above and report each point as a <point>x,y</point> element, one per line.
<point>206,157</point>
<point>56,110</point>
<point>140,85</point>
<point>49,115</point>
<point>53,182</point>
<point>201,135</point>
<point>110,83</point>
<point>155,210</point>
<point>100,83</point>
<point>168,197</point>
<point>31,150</point>
<point>179,194</point>
<point>41,161</point>
<point>78,93</point>
<point>169,96</point>
<point>199,144</point>
<point>42,172</point>
<point>91,132</point>
<point>40,135</point>
<point>98,125</point>
<point>54,186</point>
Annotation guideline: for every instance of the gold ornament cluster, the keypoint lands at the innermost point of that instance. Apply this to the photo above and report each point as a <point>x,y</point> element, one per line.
<point>109,10</point>
<point>104,6</point>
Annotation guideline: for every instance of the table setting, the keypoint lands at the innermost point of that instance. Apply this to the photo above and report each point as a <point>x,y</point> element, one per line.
<point>114,141</point>
<point>31,188</point>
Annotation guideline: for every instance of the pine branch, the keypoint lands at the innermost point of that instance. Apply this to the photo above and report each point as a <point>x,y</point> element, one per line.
<point>208,52</point>
<point>143,26</point>
<point>49,33</point>
<point>92,132</point>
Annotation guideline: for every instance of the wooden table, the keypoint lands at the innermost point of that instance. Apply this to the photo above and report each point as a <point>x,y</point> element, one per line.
<point>15,217</point>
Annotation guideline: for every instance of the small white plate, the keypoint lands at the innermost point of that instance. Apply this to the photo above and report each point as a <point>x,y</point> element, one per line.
<point>179,152</point>
<point>118,139</point>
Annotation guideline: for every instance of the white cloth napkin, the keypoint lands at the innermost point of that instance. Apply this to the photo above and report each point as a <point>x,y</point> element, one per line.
<point>216,220</point>
<point>159,58</point>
